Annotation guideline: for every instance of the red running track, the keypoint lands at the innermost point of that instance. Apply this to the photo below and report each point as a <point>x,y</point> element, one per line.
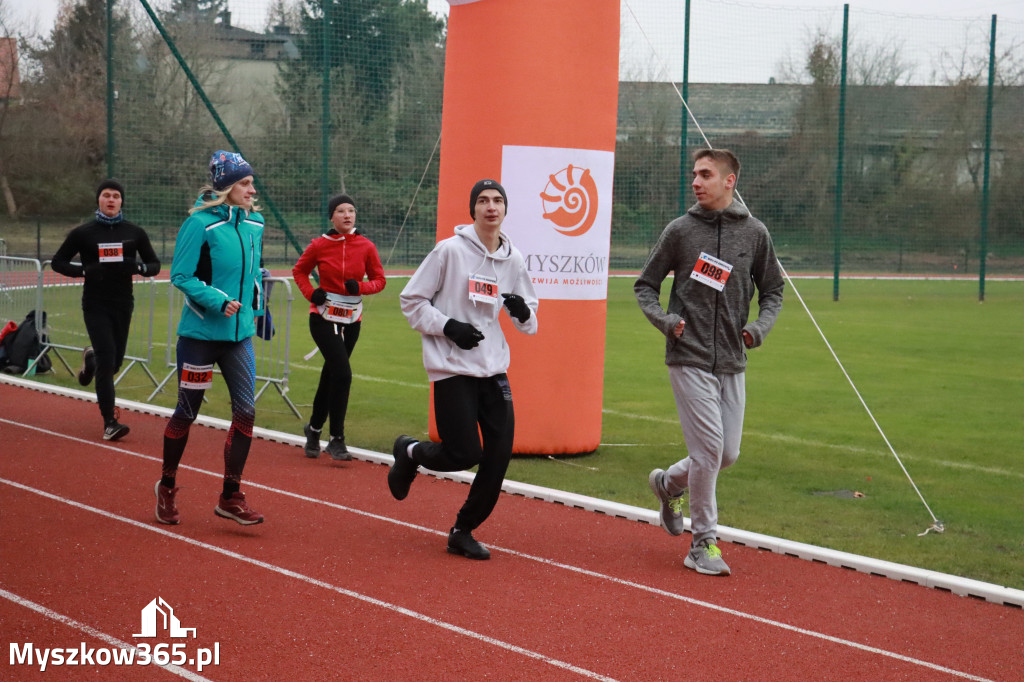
<point>343,582</point>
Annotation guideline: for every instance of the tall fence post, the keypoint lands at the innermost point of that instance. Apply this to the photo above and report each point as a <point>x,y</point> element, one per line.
<point>837,215</point>
<point>684,158</point>
<point>983,241</point>
<point>325,108</point>
<point>110,88</point>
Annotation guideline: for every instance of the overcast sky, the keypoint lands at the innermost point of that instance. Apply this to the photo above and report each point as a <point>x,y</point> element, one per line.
<point>767,34</point>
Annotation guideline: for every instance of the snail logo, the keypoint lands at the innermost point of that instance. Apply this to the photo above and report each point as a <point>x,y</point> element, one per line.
<point>570,201</point>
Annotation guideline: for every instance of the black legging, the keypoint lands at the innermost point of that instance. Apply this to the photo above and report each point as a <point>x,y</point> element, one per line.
<point>336,343</point>
<point>461,403</point>
<point>108,333</point>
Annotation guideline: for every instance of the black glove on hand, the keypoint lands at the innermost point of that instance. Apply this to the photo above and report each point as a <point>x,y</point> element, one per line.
<point>319,296</point>
<point>465,335</point>
<point>517,307</point>
<point>352,286</point>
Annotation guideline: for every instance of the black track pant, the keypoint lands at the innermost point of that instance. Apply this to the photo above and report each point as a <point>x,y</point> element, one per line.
<point>461,404</point>
<point>108,326</point>
<point>336,343</point>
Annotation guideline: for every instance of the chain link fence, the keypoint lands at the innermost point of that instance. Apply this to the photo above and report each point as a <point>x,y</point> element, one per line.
<point>864,137</point>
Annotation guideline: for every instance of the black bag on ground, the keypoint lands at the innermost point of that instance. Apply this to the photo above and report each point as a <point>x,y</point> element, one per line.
<point>22,346</point>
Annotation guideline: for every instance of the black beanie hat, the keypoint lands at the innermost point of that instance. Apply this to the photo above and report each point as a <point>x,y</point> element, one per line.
<point>109,183</point>
<point>336,201</point>
<point>480,186</point>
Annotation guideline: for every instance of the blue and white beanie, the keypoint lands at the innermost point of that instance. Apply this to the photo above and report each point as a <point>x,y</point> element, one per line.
<point>227,168</point>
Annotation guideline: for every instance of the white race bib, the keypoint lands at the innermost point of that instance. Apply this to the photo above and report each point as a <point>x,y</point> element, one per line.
<point>711,271</point>
<point>196,376</point>
<point>483,289</point>
<point>111,253</point>
<point>341,309</point>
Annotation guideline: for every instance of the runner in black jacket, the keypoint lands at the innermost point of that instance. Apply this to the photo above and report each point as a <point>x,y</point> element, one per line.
<point>112,251</point>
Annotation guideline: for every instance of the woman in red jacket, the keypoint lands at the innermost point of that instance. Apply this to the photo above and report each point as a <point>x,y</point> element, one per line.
<point>348,267</point>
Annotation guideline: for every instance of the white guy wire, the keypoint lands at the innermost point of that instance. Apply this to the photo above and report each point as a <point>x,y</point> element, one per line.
<point>936,525</point>
<point>412,202</point>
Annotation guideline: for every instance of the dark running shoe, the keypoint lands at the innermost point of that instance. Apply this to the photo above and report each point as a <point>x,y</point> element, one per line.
<point>337,450</point>
<point>88,370</point>
<point>236,509</point>
<point>312,447</point>
<point>166,510</point>
<point>463,543</point>
<point>403,471</point>
<point>115,431</point>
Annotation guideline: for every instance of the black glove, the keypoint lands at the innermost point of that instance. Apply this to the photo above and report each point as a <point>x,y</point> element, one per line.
<point>465,335</point>
<point>517,307</point>
<point>352,286</point>
<point>319,296</point>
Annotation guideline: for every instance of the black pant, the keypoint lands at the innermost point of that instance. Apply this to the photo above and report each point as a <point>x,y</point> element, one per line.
<point>336,343</point>
<point>462,403</point>
<point>108,325</point>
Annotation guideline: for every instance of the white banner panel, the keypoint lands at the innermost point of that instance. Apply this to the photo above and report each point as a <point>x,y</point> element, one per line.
<point>560,217</point>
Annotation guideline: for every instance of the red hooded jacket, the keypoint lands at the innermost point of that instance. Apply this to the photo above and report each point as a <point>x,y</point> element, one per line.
<point>337,258</point>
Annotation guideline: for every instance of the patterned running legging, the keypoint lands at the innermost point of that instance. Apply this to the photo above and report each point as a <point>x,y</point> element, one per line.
<point>237,363</point>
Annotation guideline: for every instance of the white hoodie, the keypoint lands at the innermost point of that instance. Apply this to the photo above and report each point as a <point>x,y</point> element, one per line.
<point>439,291</point>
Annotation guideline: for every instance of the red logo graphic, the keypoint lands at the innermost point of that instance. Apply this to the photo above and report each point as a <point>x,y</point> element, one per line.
<point>570,200</point>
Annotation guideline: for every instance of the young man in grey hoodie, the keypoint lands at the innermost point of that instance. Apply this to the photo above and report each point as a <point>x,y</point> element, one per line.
<point>719,254</point>
<point>453,300</point>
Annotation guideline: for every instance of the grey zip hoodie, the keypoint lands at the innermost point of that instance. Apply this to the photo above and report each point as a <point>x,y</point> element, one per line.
<point>439,291</point>
<point>713,337</point>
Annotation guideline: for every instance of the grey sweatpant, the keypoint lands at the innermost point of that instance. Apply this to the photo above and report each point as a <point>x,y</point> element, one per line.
<point>710,410</point>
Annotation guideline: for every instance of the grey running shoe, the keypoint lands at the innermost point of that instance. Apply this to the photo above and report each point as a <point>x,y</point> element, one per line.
<point>337,450</point>
<point>312,446</point>
<point>463,543</point>
<point>671,507</point>
<point>706,558</point>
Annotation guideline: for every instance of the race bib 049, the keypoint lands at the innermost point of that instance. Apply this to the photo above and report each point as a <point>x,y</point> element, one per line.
<point>483,289</point>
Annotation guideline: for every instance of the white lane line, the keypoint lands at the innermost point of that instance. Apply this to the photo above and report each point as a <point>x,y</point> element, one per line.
<point>549,562</point>
<point>93,632</point>
<point>583,672</point>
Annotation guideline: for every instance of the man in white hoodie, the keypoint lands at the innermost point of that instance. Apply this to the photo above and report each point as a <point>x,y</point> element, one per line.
<point>454,299</point>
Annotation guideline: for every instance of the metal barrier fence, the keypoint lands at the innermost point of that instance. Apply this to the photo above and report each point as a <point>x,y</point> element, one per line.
<point>271,354</point>
<point>64,324</point>
<point>28,287</point>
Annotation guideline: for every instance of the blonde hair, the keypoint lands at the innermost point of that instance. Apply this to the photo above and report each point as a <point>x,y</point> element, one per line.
<point>212,197</point>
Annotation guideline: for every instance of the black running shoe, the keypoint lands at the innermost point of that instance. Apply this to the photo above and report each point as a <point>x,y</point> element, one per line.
<point>337,450</point>
<point>115,431</point>
<point>88,366</point>
<point>403,471</point>
<point>463,543</point>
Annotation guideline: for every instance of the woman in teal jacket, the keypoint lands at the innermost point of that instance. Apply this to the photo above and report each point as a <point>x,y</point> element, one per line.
<point>217,266</point>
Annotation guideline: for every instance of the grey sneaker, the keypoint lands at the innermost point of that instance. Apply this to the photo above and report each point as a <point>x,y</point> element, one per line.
<point>671,507</point>
<point>706,558</point>
<point>312,446</point>
<point>337,450</point>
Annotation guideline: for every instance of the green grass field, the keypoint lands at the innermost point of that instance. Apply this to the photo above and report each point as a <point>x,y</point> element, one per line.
<point>941,372</point>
